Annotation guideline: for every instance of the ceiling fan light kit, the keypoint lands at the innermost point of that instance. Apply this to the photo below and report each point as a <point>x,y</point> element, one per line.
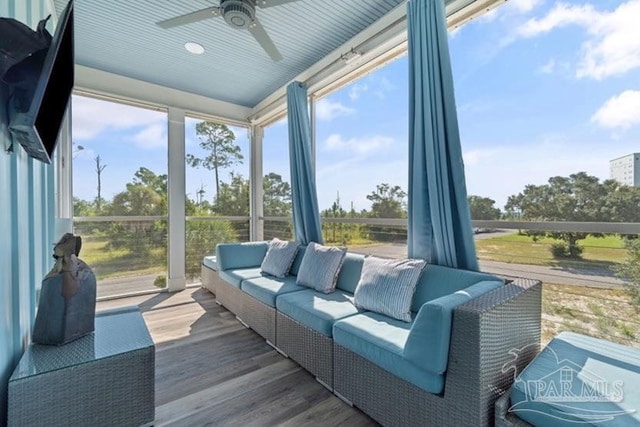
<point>238,14</point>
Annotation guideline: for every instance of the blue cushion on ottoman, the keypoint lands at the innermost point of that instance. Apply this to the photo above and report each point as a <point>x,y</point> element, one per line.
<point>579,380</point>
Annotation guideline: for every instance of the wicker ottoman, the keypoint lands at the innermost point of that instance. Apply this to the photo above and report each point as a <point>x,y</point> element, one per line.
<point>102,379</point>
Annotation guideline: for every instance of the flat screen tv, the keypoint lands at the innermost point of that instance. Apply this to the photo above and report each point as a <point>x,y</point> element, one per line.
<point>40,89</point>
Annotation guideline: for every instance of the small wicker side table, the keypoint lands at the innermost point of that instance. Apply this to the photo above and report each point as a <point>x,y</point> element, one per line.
<point>102,379</point>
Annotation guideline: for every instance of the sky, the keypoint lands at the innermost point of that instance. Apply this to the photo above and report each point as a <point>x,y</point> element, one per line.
<point>543,88</point>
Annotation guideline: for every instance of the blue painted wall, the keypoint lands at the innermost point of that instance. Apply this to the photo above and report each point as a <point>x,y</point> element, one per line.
<point>27,209</point>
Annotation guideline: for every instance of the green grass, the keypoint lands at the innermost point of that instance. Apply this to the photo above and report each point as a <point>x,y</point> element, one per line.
<point>108,263</point>
<point>520,249</point>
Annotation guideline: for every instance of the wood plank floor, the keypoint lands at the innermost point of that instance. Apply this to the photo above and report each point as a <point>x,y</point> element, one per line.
<point>210,370</point>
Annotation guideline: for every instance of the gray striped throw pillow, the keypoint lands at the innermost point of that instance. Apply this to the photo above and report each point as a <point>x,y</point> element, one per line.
<point>320,266</point>
<point>386,286</point>
<point>279,258</point>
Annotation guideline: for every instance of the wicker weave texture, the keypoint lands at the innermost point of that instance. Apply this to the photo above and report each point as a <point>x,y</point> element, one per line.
<point>116,391</point>
<point>210,279</point>
<point>504,418</point>
<point>260,317</point>
<point>484,332</point>
<point>312,350</point>
<point>230,297</point>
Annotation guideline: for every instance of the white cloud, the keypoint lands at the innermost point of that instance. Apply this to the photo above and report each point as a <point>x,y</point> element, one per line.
<point>92,117</point>
<point>619,112</point>
<point>328,110</point>
<point>357,89</point>
<point>549,67</point>
<point>336,142</point>
<point>151,137</point>
<point>613,43</point>
<point>522,6</point>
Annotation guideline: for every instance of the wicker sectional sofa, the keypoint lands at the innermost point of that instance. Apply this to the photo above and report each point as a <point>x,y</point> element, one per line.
<point>443,368</point>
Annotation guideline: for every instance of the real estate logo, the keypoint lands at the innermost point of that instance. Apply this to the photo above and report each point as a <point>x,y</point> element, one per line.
<point>570,392</point>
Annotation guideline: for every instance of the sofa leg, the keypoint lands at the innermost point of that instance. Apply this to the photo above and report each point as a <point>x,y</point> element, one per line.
<point>344,399</point>
<point>325,385</point>
<point>243,323</point>
<point>277,349</point>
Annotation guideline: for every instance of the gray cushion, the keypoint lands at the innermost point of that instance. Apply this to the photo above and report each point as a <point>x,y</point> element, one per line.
<point>320,267</point>
<point>386,286</point>
<point>279,258</point>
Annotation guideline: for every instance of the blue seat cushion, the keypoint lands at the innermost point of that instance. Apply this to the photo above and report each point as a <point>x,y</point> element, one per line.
<point>579,380</point>
<point>381,340</point>
<point>317,310</point>
<point>267,288</point>
<point>210,262</point>
<point>235,277</point>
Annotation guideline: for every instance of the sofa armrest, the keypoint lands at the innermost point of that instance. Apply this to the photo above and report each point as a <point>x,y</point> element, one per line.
<point>240,255</point>
<point>486,334</point>
<point>428,343</point>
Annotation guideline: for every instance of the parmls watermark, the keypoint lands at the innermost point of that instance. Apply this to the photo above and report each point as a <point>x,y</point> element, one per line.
<point>570,392</point>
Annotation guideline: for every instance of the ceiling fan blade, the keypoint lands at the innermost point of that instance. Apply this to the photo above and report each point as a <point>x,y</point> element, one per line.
<point>258,31</point>
<point>189,18</point>
<point>270,3</point>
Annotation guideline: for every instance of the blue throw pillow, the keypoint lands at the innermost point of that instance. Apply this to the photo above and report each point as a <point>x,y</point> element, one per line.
<point>320,266</point>
<point>387,286</point>
<point>279,258</point>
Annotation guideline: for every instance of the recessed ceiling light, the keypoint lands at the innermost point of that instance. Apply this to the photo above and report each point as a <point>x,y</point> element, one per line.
<point>195,48</point>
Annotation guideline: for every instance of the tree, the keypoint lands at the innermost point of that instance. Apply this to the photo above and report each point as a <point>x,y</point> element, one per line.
<point>219,141</point>
<point>483,208</point>
<point>387,202</point>
<point>233,198</point>
<point>277,195</point>
<point>99,168</point>
<point>578,197</point>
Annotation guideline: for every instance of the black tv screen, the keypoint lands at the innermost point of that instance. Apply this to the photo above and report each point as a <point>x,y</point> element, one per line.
<point>35,121</point>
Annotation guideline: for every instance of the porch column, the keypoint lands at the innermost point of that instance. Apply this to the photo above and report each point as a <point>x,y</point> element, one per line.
<point>256,211</point>
<point>176,251</point>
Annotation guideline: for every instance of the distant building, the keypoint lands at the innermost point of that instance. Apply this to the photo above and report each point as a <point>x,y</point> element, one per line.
<point>626,169</point>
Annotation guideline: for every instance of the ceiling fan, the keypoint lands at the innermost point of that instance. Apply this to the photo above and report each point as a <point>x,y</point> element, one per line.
<point>238,14</point>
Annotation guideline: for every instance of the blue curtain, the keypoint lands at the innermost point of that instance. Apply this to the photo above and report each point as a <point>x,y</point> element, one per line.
<point>439,221</point>
<point>304,198</point>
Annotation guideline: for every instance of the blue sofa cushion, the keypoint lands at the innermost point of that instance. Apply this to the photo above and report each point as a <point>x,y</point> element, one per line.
<point>437,281</point>
<point>280,255</point>
<point>570,381</point>
<point>317,310</point>
<point>386,286</point>
<point>232,256</point>
<point>267,288</point>
<point>320,266</point>
<point>235,277</point>
<point>381,340</point>
<point>210,262</point>
<point>350,272</point>
<point>428,342</point>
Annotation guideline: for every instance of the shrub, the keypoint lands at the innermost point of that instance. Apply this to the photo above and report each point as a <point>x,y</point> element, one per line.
<point>202,238</point>
<point>630,270</point>
<point>562,250</point>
